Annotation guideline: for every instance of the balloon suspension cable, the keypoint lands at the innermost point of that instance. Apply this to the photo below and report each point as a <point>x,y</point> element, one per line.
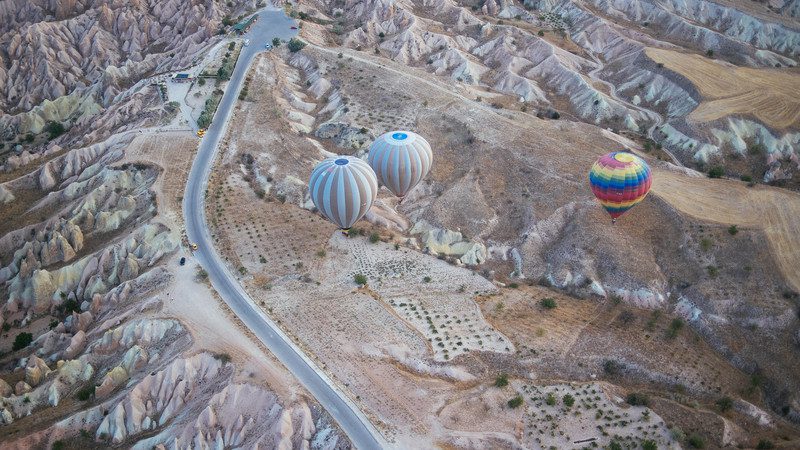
<point>346,231</point>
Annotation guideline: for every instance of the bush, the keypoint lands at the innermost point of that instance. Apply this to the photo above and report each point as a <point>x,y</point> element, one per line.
<point>746,178</point>
<point>725,404</point>
<point>515,402</point>
<point>374,237</point>
<point>647,444</point>
<point>732,230</point>
<point>540,33</point>
<point>276,42</point>
<point>695,441</point>
<point>224,358</point>
<point>550,399</point>
<point>55,129</point>
<point>501,380</point>
<point>568,400</point>
<point>58,445</point>
<point>674,327</point>
<point>427,279</point>
<point>614,445</point>
<point>637,399</point>
<point>295,45</point>
<point>22,340</point>
<point>716,172</point>
<point>548,303</point>
<point>360,279</point>
<point>85,393</point>
<point>201,273</point>
<point>612,367</point>
<point>709,53</point>
<point>765,445</point>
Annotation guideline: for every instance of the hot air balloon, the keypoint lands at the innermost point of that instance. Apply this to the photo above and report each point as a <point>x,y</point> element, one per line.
<point>343,189</point>
<point>619,181</point>
<point>401,159</point>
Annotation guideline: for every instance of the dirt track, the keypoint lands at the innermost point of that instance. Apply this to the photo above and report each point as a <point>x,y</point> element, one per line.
<point>776,211</point>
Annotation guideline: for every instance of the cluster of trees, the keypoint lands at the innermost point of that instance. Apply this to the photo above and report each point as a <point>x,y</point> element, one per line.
<point>210,108</point>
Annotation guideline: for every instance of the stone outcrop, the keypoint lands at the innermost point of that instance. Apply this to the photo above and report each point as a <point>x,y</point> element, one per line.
<point>36,370</point>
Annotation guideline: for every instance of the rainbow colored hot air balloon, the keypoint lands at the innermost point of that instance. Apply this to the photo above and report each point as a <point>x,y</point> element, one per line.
<point>619,181</point>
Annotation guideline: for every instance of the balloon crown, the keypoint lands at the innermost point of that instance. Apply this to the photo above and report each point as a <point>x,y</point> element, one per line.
<point>341,162</point>
<point>399,136</point>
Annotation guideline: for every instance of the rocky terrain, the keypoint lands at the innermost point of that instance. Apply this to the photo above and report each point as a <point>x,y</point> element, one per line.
<point>495,307</point>
<point>105,338</point>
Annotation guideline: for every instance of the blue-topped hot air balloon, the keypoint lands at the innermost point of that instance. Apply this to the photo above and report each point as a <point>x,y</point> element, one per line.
<point>343,189</point>
<point>401,159</point>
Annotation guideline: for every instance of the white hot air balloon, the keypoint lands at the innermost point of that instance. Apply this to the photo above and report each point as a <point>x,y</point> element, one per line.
<point>343,189</point>
<point>400,159</point>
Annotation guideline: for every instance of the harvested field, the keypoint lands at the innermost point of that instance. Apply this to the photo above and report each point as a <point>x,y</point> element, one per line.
<point>772,95</point>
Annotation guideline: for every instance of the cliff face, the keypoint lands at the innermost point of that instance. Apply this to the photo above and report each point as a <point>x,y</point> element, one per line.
<point>51,49</point>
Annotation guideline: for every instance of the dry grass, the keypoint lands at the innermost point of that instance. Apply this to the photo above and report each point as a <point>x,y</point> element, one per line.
<point>772,95</point>
<point>775,211</point>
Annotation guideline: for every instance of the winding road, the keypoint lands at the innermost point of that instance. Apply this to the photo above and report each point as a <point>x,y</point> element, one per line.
<point>362,434</point>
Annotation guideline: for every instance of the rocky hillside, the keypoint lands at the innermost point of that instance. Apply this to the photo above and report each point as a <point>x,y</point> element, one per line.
<point>589,60</point>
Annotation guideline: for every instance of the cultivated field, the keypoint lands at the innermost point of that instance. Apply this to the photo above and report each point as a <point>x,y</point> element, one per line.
<point>772,95</point>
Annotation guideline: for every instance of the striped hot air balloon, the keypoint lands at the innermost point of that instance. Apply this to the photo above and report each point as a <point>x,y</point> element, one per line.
<point>343,189</point>
<point>619,181</point>
<point>401,159</point>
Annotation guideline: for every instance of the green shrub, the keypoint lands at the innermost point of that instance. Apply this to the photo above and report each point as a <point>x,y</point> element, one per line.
<point>22,340</point>
<point>637,399</point>
<point>515,402</point>
<point>725,404</point>
<point>55,129</point>
<point>295,45</point>
<point>695,441</point>
<point>550,399</point>
<point>614,445</point>
<point>374,237</point>
<point>612,367</point>
<point>716,172</point>
<point>647,444</point>
<point>674,327</point>
<point>746,178</point>
<point>85,393</point>
<point>765,445</point>
<point>360,279</point>
<point>276,42</point>
<point>568,400</point>
<point>548,303</point>
<point>732,230</point>
<point>501,380</point>
<point>58,445</point>
<point>427,279</point>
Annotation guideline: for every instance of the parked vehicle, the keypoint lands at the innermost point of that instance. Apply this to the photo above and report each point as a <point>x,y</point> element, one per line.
<point>183,260</point>
<point>246,42</point>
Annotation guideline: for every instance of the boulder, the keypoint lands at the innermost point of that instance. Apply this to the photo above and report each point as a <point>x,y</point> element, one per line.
<point>5,388</point>
<point>42,289</point>
<point>21,388</point>
<point>36,370</point>
<point>76,345</point>
<point>115,377</point>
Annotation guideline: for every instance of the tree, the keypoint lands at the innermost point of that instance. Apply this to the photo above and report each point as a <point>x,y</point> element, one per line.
<point>695,441</point>
<point>515,402</point>
<point>568,400</point>
<point>22,340</point>
<point>295,45</point>
<point>724,404</point>
<point>550,399</point>
<point>360,279</point>
<point>55,129</point>
<point>709,53</point>
<point>501,380</point>
<point>765,445</point>
<point>647,444</point>
<point>674,327</point>
<point>637,399</point>
<point>548,303</point>
<point>716,172</point>
<point>276,42</point>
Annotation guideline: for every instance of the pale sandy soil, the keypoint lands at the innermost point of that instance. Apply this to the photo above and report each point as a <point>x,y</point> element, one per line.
<point>772,95</point>
<point>213,327</point>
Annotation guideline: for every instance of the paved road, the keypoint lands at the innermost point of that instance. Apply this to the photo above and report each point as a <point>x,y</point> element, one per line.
<point>352,421</point>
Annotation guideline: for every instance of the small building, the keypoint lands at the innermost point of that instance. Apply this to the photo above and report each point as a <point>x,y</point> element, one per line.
<point>242,27</point>
<point>181,77</point>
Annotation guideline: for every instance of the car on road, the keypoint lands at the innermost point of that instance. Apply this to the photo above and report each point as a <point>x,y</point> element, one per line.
<point>201,132</point>
<point>268,46</point>
<point>246,42</point>
<point>294,28</point>
<point>183,260</point>
<point>194,246</point>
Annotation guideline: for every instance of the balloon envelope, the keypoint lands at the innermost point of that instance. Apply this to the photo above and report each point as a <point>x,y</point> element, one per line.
<point>619,181</point>
<point>401,159</point>
<point>343,189</point>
